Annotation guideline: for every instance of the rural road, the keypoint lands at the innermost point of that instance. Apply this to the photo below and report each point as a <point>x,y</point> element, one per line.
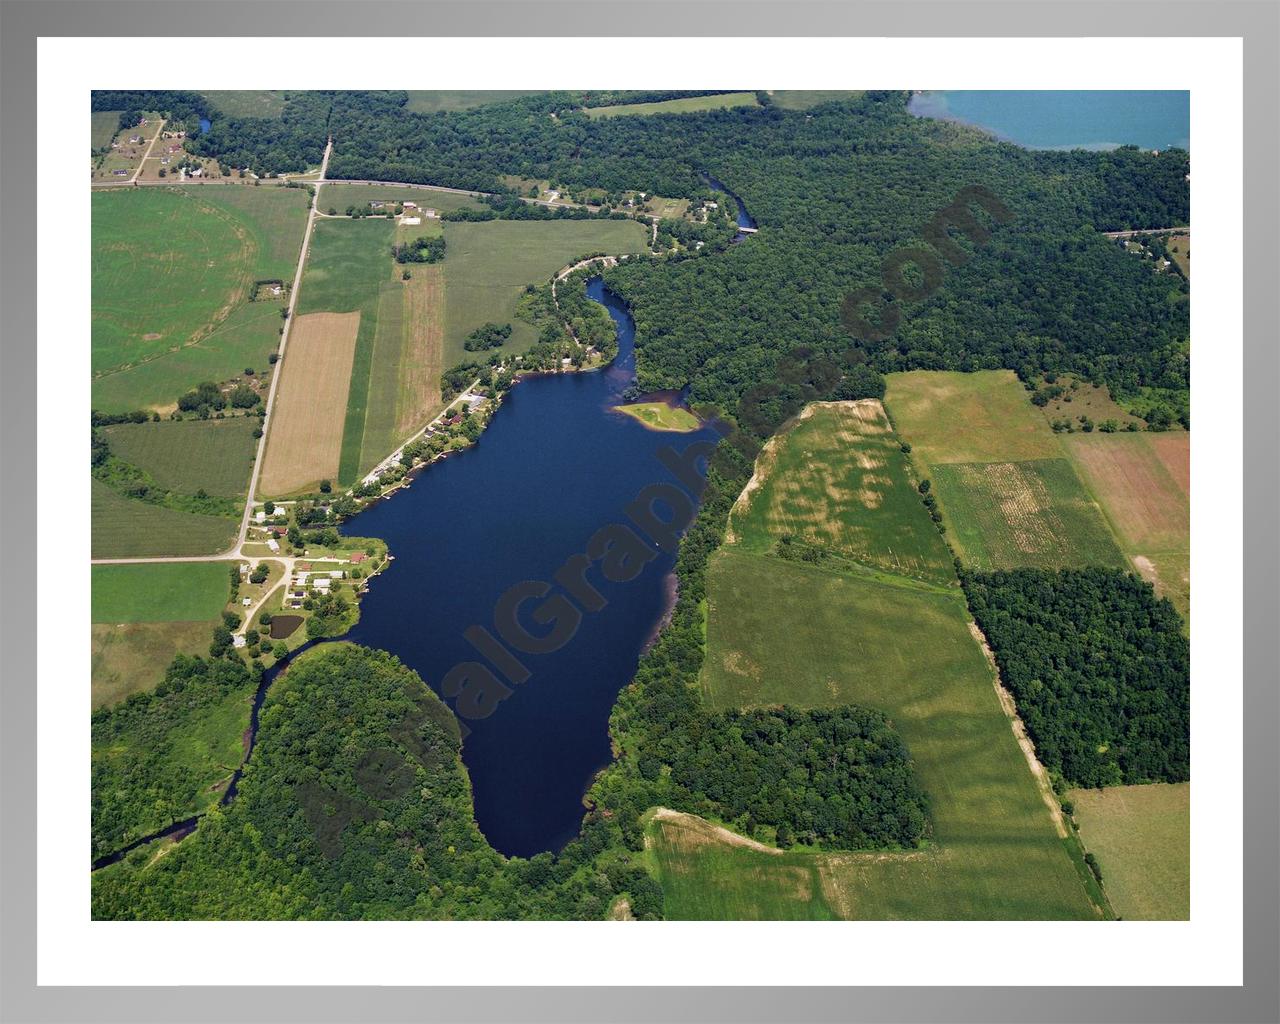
<point>1147,231</point>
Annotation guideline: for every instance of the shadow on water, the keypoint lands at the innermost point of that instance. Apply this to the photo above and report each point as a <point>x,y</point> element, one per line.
<point>553,467</point>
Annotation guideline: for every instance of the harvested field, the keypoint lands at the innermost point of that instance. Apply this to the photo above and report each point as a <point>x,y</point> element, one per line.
<point>1141,836</point>
<point>422,358</point>
<point>1003,515</point>
<point>1147,506</point>
<point>684,105</point>
<point>1142,482</point>
<point>304,442</point>
<point>284,626</point>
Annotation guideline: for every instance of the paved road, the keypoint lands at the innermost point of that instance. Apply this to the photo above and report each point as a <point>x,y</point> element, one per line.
<point>284,342</point>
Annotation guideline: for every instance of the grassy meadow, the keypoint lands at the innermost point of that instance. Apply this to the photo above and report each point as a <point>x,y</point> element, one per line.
<point>172,276</point>
<point>837,479</point>
<point>129,657</point>
<point>239,103</point>
<point>431,101</point>
<point>103,125</point>
<point>488,264</point>
<point>803,99</point>
<point>684,105</point>
<point>661,416</point>
<point>845,632</point>
<point>1141,836</point>
<point>190,455</point>
<point>1008,493</point>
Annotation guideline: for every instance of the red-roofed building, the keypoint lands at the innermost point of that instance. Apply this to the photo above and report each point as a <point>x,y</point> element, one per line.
<point>358,556</point>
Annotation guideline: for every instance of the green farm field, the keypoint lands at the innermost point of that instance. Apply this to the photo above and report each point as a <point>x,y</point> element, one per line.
<point>837,479</point>
<point>190,455</point>
<point>1004,515</point>
<point>127,528</point>
<point>1008,494</point>
<point>103,125</point>
<point>488,263</point>
<point>782,632</point>
<point>160,592</point>
<point>172,278</point>
<point>685,105</point>
<point>338,196</point>
<point>835,633</point>
<point>1141,836</point>
<point>240,103</point>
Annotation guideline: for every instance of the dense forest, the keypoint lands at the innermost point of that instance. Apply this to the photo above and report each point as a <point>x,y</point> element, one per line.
<point>1099,666</point>
<point>143,776</point>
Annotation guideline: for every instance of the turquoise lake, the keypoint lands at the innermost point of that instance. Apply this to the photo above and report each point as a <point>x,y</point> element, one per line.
<point>1068,119</point>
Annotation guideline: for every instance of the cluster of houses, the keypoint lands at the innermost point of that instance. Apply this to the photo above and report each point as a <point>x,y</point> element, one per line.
<point>306,579</point>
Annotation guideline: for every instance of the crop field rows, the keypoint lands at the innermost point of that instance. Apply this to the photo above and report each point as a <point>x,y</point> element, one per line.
<point>172,275</point>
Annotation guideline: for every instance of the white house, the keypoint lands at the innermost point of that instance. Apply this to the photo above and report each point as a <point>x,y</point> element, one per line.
<point>272,544</point>
<point>238,640</point>
<point>410,222</point>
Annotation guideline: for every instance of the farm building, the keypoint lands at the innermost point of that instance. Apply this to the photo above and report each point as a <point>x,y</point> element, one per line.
<point>410,221</point>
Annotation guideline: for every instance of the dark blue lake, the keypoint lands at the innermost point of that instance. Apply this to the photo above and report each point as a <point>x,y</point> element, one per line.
<point>555,464</point>
<point>205,125</point>
<point>1068,119</point>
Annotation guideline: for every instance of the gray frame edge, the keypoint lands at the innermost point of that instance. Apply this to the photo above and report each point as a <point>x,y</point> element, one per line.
<point>1257,21</point>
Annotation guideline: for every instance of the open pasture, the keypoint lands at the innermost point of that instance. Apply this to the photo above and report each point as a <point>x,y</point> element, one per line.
<point>1141,836</point>
<point>160,592</point>
<point>172,273</point>
<point>784,632</point>
<point>837,479</point>
<point>967,417</point>
<point>684,105</point>
<point>1180,251</point>
<point>305,438</point>
<point>127,528</point>
<point>190,455</point>
<point>1003,515</point>
<point>489,263</point>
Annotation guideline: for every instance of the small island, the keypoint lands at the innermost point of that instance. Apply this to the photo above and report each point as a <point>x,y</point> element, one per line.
<point>661,416</point>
